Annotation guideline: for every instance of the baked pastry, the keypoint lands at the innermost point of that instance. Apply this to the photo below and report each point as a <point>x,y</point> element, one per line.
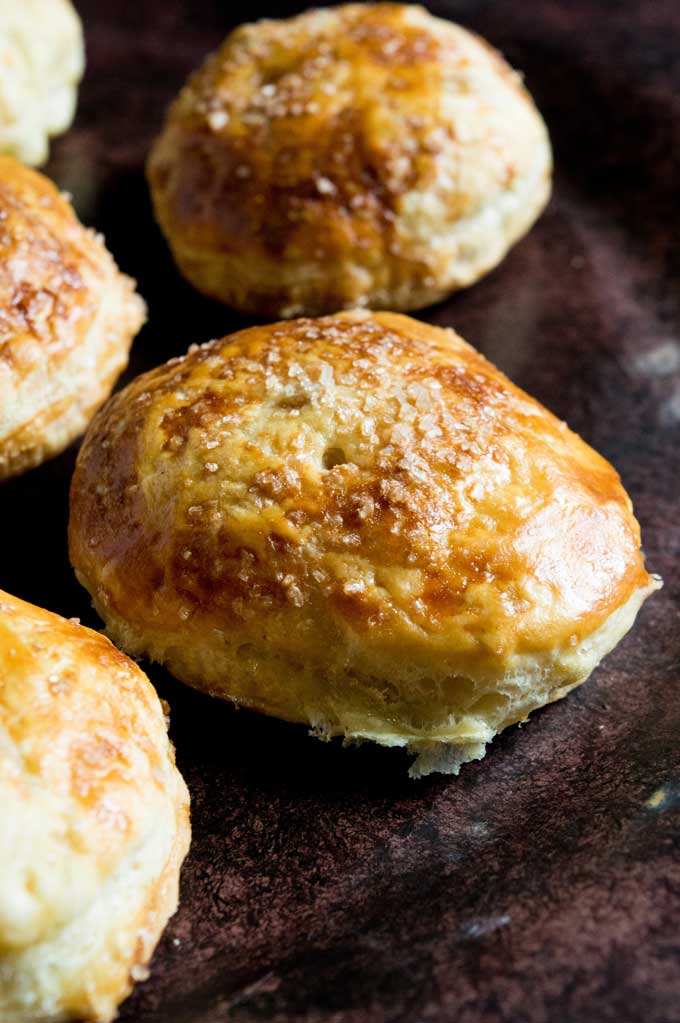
<point>360,155</point>
<point>42,59</point>
<point>67,320</point>
<point>359,523</point>
<point>95,820</point>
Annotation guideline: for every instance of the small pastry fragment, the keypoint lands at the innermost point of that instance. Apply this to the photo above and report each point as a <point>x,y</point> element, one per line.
<point>359,155</point>
<point>95,820</point>
<point>42,59</point>
<point>358,523</point>
<point>67,320</point>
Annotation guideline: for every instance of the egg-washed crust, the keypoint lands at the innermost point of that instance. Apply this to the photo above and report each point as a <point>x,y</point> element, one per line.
<point>67,320</point>
<point>95,819</point>
<point>358,511</point>
<point>42,58</point>
<point>366,154</point>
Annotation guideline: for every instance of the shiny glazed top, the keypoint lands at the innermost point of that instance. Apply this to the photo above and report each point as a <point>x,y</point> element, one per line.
<point>362,472</point>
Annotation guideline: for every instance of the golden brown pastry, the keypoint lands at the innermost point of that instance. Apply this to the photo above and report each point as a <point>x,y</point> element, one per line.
<point>42,60</point>
<point>359,523</point>
<point>360,155</point>
<point>95,820</point>
<point>67,320</point>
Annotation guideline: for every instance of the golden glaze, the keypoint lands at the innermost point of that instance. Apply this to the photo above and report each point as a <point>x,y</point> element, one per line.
<point>344,497</point>
<point>87,776</point>
<point>45,260</point>
<point>67,319</point>
<point>369,154</point>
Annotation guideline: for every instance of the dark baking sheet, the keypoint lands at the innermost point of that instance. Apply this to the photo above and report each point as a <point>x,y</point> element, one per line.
<point>543,885</point>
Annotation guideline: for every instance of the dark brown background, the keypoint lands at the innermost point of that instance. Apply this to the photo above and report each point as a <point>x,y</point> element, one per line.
<point>322,884</point>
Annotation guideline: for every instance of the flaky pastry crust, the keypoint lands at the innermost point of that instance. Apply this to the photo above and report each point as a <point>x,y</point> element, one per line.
<point>95,820</point>
<point>359,523</point>
<point>42,59</point>
<point>359,155</point>
<point>67,320</point>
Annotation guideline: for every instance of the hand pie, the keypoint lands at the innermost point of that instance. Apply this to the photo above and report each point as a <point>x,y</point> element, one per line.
<point>67,320</point>
<point>95,820</point>
<point>356,522</point>
<point>359,155</point>
<point>42,60</point>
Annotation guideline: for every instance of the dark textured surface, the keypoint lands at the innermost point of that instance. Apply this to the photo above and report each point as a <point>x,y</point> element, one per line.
<point>541,886</point>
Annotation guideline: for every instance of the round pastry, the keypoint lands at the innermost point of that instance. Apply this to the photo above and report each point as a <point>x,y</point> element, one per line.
<point>95,820</point>
<point>42,60</point>
<point>67,320</point>
<point>361,155</point>
<point>359,523</point>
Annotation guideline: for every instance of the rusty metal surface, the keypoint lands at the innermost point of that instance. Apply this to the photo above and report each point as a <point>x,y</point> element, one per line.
<point>543,885</point>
